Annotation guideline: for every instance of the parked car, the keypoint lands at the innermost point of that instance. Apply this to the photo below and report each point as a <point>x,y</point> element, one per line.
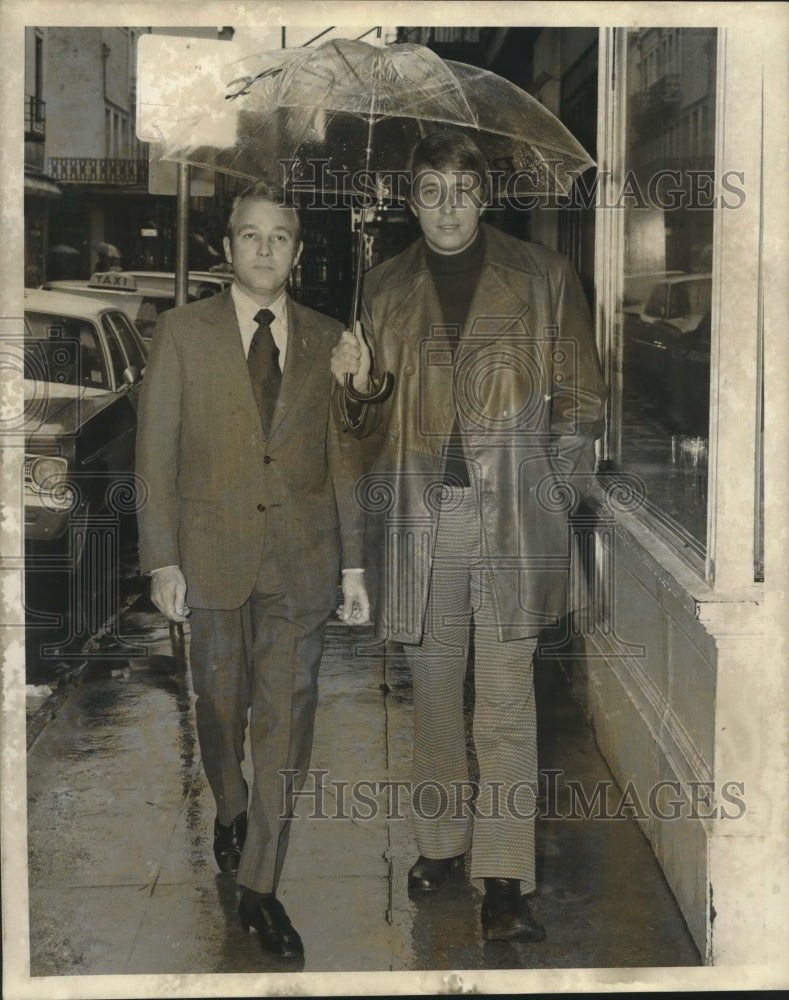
<point>667,352</point>
<point>143,304</point>
<point>83,365</point>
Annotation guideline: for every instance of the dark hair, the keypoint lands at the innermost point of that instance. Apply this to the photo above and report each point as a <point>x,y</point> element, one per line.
<point>264,191</point>
<point>446,151</point>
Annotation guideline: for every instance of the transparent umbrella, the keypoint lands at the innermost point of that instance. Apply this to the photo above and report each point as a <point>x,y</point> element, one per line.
<point>336,114</point>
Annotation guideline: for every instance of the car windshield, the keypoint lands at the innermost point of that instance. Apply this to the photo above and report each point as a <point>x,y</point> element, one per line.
<point>656,303</point>
<point>64,349</point>
<point>675,300</point>
<point>689,298</point>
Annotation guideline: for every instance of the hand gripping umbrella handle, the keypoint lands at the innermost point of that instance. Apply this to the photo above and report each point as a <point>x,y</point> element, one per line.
<point>378,395</point>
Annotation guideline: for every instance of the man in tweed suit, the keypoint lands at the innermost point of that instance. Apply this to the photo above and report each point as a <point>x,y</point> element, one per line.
<point>498,395</point>
<point>249,512</point>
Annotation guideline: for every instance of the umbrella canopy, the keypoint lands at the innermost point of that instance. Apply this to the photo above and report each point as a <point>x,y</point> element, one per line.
<point>323,114</point>
<point>329,116</point>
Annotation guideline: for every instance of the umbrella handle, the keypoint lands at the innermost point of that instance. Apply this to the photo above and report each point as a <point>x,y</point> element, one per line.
<point>177,644</point>
<point>378,395</point>
<point>384,390</point>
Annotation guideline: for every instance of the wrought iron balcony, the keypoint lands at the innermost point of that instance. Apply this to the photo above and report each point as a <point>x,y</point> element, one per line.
<point>97,170</point>
<point>35,118</point>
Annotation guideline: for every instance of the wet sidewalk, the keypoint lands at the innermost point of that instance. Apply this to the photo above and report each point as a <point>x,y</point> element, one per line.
<point>122,878</point>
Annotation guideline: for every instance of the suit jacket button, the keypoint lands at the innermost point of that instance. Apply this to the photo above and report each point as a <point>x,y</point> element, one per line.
<point>261,506</point>
<point>267,459</point>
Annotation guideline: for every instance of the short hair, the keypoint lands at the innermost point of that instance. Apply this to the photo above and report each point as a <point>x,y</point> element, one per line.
<point>446,151</point>
<point>264,191</point>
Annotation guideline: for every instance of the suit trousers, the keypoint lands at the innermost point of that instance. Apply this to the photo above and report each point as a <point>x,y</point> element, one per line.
<point>260,660</point>
<point>449,812</point>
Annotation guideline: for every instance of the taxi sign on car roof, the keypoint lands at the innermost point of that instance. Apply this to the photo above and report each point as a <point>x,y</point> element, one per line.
<point>113,279</point>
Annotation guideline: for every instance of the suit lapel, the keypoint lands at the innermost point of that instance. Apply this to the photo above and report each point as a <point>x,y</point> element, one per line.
<point>299,359</point>
<point>220,312</point>
<point>225,344</point>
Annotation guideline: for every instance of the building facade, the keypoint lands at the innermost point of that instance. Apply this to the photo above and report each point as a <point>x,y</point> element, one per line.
<point>40,189</point>
<point>87,173</point>
<point>669,236</point>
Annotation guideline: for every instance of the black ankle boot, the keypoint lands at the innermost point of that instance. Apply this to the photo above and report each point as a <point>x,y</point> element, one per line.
<point>431,874</point>
<point>264,913</point>
<point>505,913</point>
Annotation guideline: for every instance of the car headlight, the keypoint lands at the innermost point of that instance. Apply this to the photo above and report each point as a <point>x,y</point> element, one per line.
<point>46,484</point>
<point>46,473</point>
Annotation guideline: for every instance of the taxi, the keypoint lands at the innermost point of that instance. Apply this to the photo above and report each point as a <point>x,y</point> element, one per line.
<point>141,301</point>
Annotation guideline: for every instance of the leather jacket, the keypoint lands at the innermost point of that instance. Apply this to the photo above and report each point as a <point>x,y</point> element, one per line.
<point>526,384</point>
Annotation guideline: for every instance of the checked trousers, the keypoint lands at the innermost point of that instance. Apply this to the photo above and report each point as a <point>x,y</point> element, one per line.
<point>499,826</point>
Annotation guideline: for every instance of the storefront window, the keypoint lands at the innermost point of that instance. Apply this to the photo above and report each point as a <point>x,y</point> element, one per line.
<point>668,198</point>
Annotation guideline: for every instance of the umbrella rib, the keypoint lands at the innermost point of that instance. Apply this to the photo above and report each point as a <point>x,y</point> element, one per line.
<point>471,116</point>
<point>249,80</point>
<point>330,82</point>
<point>348,66</point>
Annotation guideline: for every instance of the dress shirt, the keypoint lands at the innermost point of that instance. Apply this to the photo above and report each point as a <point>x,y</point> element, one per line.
<point>247,309</point>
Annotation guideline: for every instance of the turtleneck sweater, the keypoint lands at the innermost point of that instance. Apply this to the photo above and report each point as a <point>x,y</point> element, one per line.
<point>455,277</point>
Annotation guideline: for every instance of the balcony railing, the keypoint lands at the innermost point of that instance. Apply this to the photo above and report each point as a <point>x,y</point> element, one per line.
<point>35,117</point>
<point>97,170</point>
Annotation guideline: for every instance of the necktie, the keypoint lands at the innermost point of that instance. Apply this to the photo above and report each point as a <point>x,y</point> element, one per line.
<point>263,364</point>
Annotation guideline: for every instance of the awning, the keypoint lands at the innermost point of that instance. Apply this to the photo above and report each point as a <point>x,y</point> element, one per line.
<point>42,187</point>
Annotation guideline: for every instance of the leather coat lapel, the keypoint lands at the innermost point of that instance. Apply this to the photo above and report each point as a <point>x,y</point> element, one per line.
<point>496,309</point>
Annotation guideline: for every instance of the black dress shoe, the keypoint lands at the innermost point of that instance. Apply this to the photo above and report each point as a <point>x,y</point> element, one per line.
<point>505,913</point>
<point>229,842</point>
<point>266,915</point>
<point>431,874</point>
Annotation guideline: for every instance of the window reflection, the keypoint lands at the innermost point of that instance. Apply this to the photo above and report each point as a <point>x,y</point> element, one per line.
<point>665,316</point>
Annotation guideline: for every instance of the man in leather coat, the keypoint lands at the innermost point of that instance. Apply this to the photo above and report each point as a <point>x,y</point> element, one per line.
<point>498,398</point>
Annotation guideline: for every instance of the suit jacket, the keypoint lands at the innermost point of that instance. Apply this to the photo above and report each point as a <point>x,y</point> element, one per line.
<point>215,483</point>
<point>526,385</point>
